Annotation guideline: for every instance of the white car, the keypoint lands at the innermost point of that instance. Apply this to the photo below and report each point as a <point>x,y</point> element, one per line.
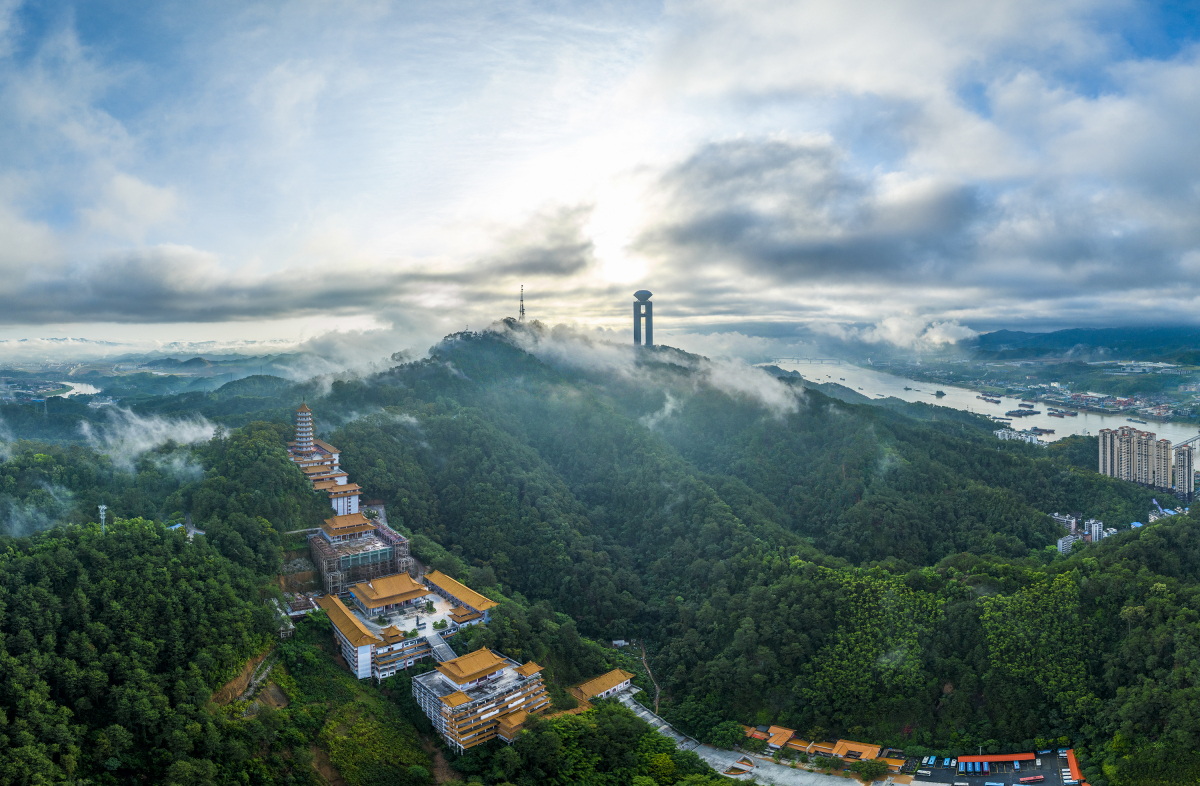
<point>954,762</point>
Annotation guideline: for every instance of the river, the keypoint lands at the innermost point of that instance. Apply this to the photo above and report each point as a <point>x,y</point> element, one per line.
<point>870,382</point>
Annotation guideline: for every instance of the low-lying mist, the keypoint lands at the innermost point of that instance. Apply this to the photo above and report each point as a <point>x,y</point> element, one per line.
<point>568,346</point>
<point>128,435</point>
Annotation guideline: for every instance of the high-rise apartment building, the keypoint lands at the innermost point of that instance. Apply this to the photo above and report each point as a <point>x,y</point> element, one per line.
<point>1161,465</point>
<point>1185,472</point>
<point>1108,452</point>
<point>1143,457</point>
<point>1137,456</point>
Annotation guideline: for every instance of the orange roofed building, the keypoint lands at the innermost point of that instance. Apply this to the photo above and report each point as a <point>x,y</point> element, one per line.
<point>479,696</point>
<point>369,654</point>
<point>471,607</point>
<point>606,684</point>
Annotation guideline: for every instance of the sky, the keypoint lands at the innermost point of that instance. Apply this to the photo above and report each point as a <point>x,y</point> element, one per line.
<point>381,174</point>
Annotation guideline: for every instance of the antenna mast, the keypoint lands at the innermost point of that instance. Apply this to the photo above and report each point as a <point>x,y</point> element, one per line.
<point>103,509</point>
<point>521,318</point>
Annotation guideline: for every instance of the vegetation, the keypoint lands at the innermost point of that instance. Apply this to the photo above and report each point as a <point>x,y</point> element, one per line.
<point>838,567</point>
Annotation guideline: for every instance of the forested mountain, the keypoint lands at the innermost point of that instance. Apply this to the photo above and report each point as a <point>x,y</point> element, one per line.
<point>836,567</point>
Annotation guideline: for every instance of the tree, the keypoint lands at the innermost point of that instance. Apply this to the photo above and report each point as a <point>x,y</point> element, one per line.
<point>727,735</point>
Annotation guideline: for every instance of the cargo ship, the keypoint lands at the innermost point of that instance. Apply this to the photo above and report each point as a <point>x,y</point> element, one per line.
<point>1056,414</point>
<point>1135,420</point>
<point>1025,406</point>
<point>1037,430</point>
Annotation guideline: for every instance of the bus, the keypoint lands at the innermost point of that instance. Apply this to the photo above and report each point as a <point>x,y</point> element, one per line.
<point>976,768</point>
<point>1016,766</point>
<point>989,783</point>
<point>1032,779</point>
<point>946,763</point>
<point>985,769</point>
<point>926,773</point>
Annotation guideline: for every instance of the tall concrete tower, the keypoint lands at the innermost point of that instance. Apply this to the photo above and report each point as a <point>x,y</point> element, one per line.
<point>642,307</point>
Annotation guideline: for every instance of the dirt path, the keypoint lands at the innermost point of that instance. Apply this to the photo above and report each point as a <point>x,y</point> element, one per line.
<point>441,768</point>
<point>325,767</point>
<point>236,686</point>
<point>650,674</point>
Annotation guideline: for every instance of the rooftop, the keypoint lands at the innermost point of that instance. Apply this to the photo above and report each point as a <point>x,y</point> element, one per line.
<point>507,679</point>
<point>346,623</point>
<point>387,590</point>
<point>459,590</point>
<point>350,520</point>
<point>368,542</point>
<point>472,666</point>
<point>597,685</point>
<point>848,749</point>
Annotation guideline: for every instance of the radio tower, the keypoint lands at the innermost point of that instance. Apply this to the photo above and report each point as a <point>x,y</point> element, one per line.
<point>521,318</point>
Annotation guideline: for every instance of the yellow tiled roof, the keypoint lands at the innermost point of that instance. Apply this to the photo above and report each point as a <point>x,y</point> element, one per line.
<point>513,720</point>
<point>387,590</point>
<point>348,530</point>
<point>349,520</point>
<point>304,408</point>
<point>597,685</point>
<point>459,590</point>
<point>472,666</point>
<point>462,614</point>
<point>340,489</point>
<point>865,749</point>
<point>349,625</point>
<point>325,446</point>
<point>528,670</point>
<point>455,699</point>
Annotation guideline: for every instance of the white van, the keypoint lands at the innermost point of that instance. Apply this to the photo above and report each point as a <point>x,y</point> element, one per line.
<point>1037,763</point>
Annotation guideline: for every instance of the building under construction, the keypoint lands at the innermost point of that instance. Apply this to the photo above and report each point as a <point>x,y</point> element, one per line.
<point>354,548</point>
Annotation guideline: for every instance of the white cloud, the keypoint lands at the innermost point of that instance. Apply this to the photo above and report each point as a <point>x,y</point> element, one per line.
<point>129,207</point>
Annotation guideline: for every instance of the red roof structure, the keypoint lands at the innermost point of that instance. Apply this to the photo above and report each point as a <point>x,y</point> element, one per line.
<point>1076,773</point>
<point>999,757</point>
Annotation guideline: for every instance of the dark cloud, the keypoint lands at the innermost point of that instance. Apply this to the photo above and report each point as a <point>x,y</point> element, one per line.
<point>793,210</point>
<point>552,243</point>
<point>171,283</point>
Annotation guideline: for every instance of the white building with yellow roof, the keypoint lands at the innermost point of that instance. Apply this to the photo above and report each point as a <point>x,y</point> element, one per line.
<point>479,696</point>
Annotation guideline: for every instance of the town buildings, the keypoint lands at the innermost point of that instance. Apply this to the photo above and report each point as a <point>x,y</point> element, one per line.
<point>1134,455</point>
<point>1020,436</point>
<point>480,696</point>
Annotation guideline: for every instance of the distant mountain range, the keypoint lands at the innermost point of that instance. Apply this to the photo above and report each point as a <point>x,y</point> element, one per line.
<point>1169,344</point>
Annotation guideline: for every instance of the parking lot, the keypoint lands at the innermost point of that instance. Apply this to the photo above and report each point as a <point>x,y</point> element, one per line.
<point>999,772</point>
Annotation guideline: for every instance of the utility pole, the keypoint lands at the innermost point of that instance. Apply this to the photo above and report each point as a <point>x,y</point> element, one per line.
<point>103,510</point>
<point>521,317</point>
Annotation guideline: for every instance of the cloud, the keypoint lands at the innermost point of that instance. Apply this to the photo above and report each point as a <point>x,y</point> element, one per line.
<point>790,209</point>
<point>6,440</point>
<point>128,435</point>
<point>129,207</point>
<point>914,333</point>
<point>570,346</point>
<point>754,163</point>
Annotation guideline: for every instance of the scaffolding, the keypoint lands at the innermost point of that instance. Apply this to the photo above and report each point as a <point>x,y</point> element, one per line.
<point>340,565</point>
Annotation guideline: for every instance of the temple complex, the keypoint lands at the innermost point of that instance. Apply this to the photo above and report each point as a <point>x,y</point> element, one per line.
<point>384,620</point>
